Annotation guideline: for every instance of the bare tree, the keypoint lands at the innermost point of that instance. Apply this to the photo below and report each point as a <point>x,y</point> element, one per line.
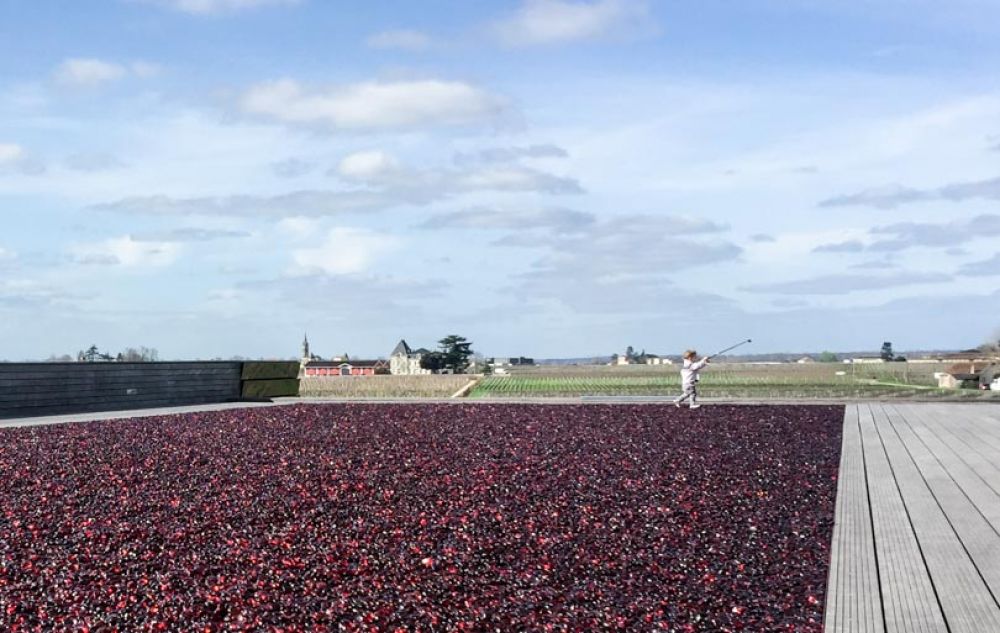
<point>139,355</point>
<point>992,346</point>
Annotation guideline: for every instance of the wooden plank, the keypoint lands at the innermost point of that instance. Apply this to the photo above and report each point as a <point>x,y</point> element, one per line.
<point>978,476</point>
<point>909,602</point>
<point>977,421</point>
<point>942,471</point>
<point>17,370</point>
<point>56,381</point>
<point>85,398</point>
<point>170,364</point>
<point>97,405</point>
<point>965,440</point>
<point>122,389</point>
<point>152,404</point>
<point>853,598</point>
<point>84,374</point>
<point>41,389</point>
<point>965,599</point>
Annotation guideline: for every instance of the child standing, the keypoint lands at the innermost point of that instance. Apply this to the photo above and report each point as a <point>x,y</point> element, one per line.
<point>689,378</point>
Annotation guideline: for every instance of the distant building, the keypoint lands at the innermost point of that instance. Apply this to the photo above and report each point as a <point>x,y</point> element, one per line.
<point>406,362</point>
<point>653,359</point>
<point>520,361</point>
<point>321,368</point>
<point>307,356</point>
<point>867,360</point>
<point>805,360</point>
<point>975,374</point>
<point>312,365</point>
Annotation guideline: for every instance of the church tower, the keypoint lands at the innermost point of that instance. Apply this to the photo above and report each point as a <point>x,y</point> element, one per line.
<point>306,357</point>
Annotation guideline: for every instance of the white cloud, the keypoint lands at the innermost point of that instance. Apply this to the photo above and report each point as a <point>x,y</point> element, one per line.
<point>88,72</point>
<point>839,284</point>
<point>403,39</point>
<point>206,7</point>
<point>510,154</point>
<point>29,293</point>
<point>367,165</point>
<point>516,218</point>
<point>14,159</point>
<point>10,153</point>
<point>299,226</point>
<point>373,104</point>
<point>516,178</point>
<point>380,169</point>
<point>345,251</point>
<point>128,252</point>
<point>559,21</point>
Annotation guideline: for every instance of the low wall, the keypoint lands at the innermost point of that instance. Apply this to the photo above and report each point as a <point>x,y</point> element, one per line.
<point>30,389</point>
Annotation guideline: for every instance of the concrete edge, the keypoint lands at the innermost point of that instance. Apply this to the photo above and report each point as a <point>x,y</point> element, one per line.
<point>585,400</point>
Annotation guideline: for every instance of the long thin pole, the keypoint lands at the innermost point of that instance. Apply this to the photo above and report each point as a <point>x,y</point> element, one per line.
<point>731,348</point>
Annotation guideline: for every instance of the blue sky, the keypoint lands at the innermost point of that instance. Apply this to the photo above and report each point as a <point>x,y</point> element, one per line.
<point>547,177</point>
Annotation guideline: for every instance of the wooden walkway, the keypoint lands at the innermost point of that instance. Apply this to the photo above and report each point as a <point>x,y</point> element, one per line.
<point>916,543</point>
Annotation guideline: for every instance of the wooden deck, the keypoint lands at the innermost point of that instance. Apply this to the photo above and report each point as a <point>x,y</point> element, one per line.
<point>916,543</point>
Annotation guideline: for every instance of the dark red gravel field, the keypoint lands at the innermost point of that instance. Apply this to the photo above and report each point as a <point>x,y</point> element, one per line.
<point>422,518</point>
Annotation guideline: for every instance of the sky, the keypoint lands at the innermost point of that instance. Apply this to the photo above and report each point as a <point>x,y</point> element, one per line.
<point>548,178</point>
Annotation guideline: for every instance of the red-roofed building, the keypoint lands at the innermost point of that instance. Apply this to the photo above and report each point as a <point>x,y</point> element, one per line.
<point>321,368</point>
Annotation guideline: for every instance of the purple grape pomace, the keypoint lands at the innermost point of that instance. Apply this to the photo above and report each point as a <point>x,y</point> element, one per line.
<point>419,517</point>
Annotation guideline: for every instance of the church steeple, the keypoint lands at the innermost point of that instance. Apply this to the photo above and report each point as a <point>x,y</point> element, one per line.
<point>305,347</point>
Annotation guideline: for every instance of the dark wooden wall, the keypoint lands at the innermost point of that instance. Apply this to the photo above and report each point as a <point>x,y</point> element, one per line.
<point>29,389</point>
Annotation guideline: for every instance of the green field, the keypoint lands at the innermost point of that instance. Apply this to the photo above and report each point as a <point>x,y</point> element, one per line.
<point>727,381</point>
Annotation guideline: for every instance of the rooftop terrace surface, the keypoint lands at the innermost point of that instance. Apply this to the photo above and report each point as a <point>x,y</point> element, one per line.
<point>916,546</point>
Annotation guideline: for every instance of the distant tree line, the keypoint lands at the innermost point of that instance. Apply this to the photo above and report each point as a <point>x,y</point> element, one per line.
<point>633,358</point>
<point>94,355</point>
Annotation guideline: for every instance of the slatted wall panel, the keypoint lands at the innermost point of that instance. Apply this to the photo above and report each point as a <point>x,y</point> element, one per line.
<point>30,389</point>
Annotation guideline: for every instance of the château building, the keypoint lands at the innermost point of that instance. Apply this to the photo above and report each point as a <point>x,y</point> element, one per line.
<point>405,361</point>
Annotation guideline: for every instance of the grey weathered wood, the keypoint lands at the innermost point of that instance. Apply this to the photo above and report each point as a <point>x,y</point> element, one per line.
<point>52,388</point>
<point>965,598</point>
<point>942,474</point>
<point>967,441</point>
<point>111,390</point>
<point>909,603</point>
<point>932,486</point>
<point>977,423</point>
<point>853,596</point>
<point>978,477</point>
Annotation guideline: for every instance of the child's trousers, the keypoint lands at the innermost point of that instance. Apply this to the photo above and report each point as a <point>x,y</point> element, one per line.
<point>690,392</point>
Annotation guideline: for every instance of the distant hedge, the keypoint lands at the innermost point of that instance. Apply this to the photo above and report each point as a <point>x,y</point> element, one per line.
<point>270,370</point>
<point>256,389</point>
